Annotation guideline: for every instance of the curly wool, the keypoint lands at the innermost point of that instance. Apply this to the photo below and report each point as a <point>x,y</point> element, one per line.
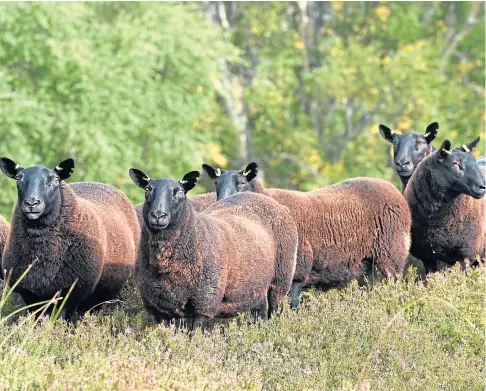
<point>446,230</point>
<point>222,261</point>
<point>346,227</point>
<point>93,239</point>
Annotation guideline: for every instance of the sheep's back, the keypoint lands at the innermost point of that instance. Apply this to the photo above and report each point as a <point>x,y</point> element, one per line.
<point>116,216</point>
<point>344,220</point>
<point>202,201</point>
<point>250,227</point>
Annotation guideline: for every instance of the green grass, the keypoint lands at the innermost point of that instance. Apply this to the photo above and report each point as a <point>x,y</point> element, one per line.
<point>403,336</point>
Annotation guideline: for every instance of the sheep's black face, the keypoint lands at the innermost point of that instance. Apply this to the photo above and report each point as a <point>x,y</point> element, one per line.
<point>38,187</point>
<point>164,198</point>
<point>163,203</point>
<point>459,173</point>
<point>229,182</point>
<point>409,149</point>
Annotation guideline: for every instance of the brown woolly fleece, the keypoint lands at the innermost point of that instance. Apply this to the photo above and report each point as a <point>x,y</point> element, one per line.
<point>219,262</point>
<point>444,230</point>
<point>4,230</point>
<point>345,228</point>
<point>93,239</point>
<point>199,203</point>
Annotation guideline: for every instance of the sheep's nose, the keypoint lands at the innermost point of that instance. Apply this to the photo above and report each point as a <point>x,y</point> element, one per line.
<point>32,202</point>
<point>403,163</point>
<point>159,215</point>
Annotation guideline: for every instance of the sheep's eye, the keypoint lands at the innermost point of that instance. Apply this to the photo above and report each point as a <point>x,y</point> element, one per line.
<point>394,142</point>
<point>178,193</point>
<point>241,183</point>
<point>18,177</point>
<point>147,189</point>
<point>55,180</point>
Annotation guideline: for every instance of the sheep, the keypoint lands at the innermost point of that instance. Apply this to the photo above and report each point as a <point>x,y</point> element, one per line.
<point>409,149</point>
<point>342,228</point>
<point>83,231</point>
<point>227,259</point>
<point>199,203</point>
<point>445,195</point>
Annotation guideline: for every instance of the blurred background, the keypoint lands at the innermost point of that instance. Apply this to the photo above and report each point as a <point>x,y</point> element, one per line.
<point>298,87</point>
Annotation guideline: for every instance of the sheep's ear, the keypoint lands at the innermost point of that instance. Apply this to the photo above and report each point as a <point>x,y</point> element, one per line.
<point>65,169</point>
<point>445,149</point>
<point>189,180</point>
<point>431,132</point>
<point>9,167</point>
<point>469,147</point>
<point>211,172</point>
<point>388,134</point>
<point>139,177</point>
<point>250,172</point>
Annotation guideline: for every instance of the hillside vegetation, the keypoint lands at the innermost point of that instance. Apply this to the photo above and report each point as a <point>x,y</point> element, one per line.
<point>394,336</point>
<point>298,87</point>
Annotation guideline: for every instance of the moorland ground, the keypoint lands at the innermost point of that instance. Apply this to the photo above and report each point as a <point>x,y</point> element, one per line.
<point>392,336</point>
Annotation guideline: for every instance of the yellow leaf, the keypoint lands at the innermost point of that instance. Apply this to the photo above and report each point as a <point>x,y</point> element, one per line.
<point>404,123</point>
<point>315,160</point>
<point>375,129</point>
<point>408,48</point>
<point>383,13</point>
<point>216,156</point>
<point>299,45</point>
<point>337,5</point>
<point>454,134</point>
<point>385,61</point>
<point>199,89</point>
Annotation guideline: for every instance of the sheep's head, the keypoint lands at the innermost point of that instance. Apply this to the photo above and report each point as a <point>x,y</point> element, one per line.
<point>457,171</point>
<point>38,187</point>
<point>409,149</point>
<point>229,182</point>
<point>164,198</point>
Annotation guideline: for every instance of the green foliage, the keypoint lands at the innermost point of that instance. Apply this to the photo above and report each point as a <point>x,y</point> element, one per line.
<point>113,85</point>
<point>116,85</point>
<point>399,336</point>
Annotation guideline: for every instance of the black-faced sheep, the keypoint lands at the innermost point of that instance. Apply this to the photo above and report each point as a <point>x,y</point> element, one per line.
<point>198,202</point>
<point>227,259</point>
<point>343,229</point>
<point>409,149</point>
<point>85,231</point>
<point>444,195</point>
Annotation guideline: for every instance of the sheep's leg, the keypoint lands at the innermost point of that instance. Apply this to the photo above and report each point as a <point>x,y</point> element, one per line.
<point>198,322</point>
<point>465,263</point>
<point>431,266</point>
<point>260,311</point>
<point>295,291</point>
<point>159,318</point>
<point>274,299</point>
